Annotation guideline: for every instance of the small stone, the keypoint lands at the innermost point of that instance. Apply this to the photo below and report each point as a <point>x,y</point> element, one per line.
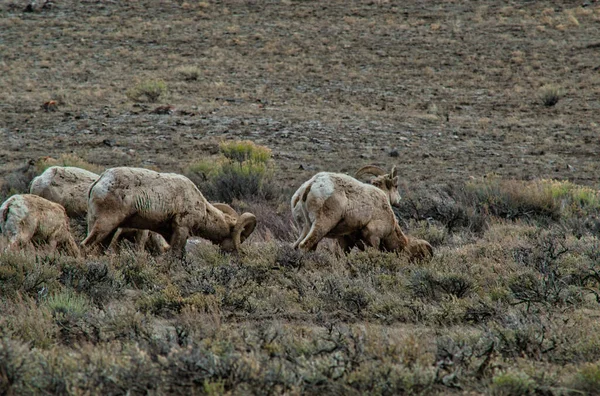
<point>51,105</point>
<point>394,153</point>
<point>109,142</point>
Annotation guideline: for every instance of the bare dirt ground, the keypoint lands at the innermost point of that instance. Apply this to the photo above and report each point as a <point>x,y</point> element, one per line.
<point>442,89</point>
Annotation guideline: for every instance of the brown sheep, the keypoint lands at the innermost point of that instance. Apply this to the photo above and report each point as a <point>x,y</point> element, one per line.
<point>333,205</point>
<point>69,186</point>
<point>28,219</point>
<point>167,203</point>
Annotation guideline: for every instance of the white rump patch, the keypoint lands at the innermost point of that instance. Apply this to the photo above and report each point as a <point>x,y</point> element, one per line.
<point>18,210</point>
<point>323,186</point>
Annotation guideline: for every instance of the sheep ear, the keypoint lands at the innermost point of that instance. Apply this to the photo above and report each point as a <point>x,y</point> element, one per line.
<point>395,181</point>
<point>394,172</point>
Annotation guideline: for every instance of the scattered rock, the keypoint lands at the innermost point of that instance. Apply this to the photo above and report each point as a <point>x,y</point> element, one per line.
<point>51,105</point>
<point>166,109</point>
<point>394,153</point>
<point>109,142</point>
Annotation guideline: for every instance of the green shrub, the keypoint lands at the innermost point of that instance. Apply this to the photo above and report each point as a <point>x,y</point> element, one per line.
<point>150,90</point>
<point>242,172</point>
<point>587,378</point>
<point>512,384</point>
<point>245,151</point>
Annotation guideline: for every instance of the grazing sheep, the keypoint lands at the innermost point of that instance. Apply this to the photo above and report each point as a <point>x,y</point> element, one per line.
<point>65,185</point>
<point>27,219</point>
<point>333,205</point>
<point>166,203</point>
<point>69,186</point>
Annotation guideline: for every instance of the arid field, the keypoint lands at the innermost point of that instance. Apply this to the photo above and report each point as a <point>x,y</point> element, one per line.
<point>489,110</point>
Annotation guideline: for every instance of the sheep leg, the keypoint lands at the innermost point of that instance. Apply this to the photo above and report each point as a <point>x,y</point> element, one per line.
<point>370,239</point>
<point>326,220</point>
<point>303,233</point>
<point>178,240</point>
<point>99,235</point>
<point>141,238</point>
<point>301,219</point>
<point>51,246</point>
<point>70,247</point>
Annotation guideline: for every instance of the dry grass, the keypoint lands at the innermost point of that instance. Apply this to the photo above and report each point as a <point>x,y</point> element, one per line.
<point>508,305</point>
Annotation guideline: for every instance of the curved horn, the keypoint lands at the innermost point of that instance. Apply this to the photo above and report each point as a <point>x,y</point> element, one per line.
<point>226,209</point>
<point>369,170</point>
<point>244,226</point>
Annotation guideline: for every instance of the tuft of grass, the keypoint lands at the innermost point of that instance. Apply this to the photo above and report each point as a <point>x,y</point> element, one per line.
<point>148,90</point>
<point>67,303</point>
<point>189,73</point>
<point>513,199</point>
<point>550,95</point>
<point>587,379</point>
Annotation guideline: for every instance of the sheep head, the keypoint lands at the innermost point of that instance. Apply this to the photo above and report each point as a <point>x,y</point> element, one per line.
<point>243,226</point>
<point>388,182</point>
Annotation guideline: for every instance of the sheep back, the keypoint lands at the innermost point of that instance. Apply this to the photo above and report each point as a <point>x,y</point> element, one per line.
<point>65,185</point>
<point>151,195</point>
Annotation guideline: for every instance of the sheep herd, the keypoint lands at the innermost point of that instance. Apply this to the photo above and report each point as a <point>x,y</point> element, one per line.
<point>152,208</point>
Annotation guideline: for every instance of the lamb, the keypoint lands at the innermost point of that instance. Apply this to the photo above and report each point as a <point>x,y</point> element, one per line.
<point>68,186</point>
<point>27,219</point>
<point>167,203</point>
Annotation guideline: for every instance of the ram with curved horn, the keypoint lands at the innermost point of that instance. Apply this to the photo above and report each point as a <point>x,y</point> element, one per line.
<point>167,203</point>
<point>388,182</point>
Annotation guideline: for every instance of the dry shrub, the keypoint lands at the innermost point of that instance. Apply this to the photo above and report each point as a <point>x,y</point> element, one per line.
<point>148,90</point>
<point>512,199</point>
<point>272,222</point>
<point>550,95</point>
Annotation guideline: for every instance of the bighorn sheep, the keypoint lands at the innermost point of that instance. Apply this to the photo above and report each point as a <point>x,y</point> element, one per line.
<point>335,205</point>
<point>69,186</point>
<point>388,183</point>
<point>65,185</point>
<point>166,203</point>
<point>27,218</point>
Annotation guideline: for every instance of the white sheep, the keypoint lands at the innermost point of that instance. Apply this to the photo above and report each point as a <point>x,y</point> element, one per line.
<point>167,203</point>
<point>28,219</point>
<point>65,185</point>
<point>334,205</point>
<point>69,186</point>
